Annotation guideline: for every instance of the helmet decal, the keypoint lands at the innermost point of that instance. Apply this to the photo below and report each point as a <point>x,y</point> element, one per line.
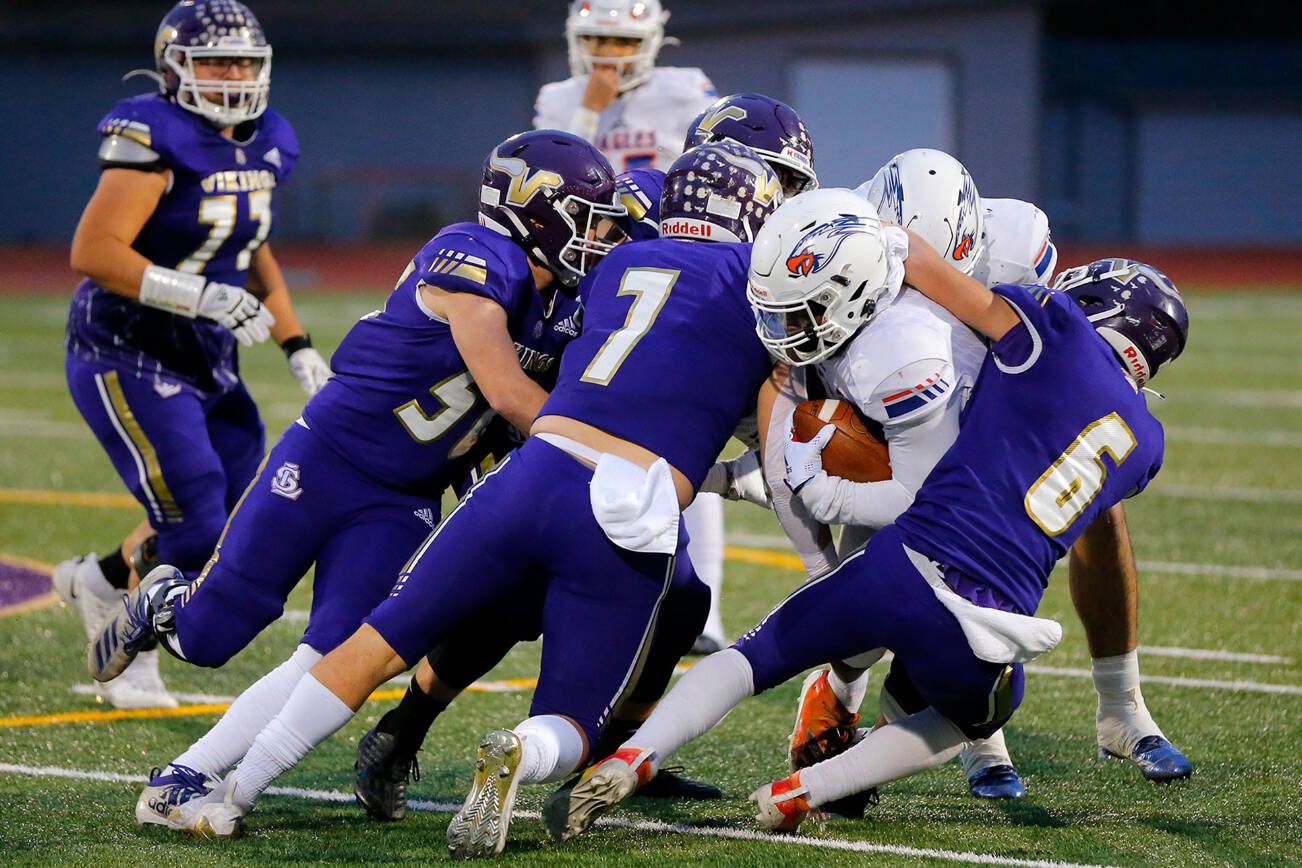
<point>803,261</point>
<point>524,186</point>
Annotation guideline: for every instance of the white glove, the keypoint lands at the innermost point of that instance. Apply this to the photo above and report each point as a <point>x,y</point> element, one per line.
<point>309,369</point>
<point>740,478</point>
<point>238,310</point>
<point>804,460</point>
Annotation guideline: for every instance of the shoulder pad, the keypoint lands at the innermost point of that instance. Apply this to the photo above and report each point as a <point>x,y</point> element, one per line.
<point>277,144</point>
<point>894,348</point>
<point>914,391</point>
<point>1020,250</point>
<point>148,121</point>
<point>123,152</point>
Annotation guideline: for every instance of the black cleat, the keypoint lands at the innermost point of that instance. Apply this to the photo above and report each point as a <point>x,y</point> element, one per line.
<point>381,784</point>
<point>853,806</point>
<point>669,784</point>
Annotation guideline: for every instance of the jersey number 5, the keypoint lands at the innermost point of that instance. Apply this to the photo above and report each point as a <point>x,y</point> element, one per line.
<point>1072,482</point>
<point>650,287</point>
<point>457,395</point>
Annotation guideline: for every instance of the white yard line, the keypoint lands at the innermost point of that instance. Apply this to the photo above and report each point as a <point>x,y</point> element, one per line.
<point>1178,681</point>
<point>1206,654</point>
<point>1206,492</point>
<point>607,822</point>
<point>1274,399</point>
<point>1225,437</point>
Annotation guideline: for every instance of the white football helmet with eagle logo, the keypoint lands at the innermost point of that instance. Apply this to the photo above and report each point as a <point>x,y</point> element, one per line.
<point>818,273</point>
<point>931,193</point>
<point>643,20</point>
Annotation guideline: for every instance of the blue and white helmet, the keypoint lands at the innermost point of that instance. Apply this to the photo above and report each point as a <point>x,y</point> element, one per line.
<point>213,30</point>
<point>721,191</point>
<point>818,273</point>
<point>643,20</point>
<point>1135,308</point>
<point>931,193</point>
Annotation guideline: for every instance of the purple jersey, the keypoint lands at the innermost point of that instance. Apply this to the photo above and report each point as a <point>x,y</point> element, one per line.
<point>639,193</point>
<point>214,215</point>
<point>401,404</point>
<point>1054,434</point>
<point>668,358</point>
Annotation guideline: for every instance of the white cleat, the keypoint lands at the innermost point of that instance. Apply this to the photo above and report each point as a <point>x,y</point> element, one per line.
<point>164,799</point>
<point>81,584</point>
<point>479,828</point>
<point>139,686</point>
<point>220,814</point>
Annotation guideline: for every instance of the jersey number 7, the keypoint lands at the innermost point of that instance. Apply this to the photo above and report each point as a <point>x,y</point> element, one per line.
<point>650,288</point>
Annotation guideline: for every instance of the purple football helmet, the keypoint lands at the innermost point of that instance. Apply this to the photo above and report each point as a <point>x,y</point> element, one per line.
<point>214,35</point>
<point>554,194</point>
<point>770,128</point>
<point>1135,308</point>
<point>721,191</point>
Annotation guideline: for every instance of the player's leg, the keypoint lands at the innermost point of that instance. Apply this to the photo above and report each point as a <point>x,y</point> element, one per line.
<point>238,437</point>
<point>704,521</point>
<point>1104,589</point>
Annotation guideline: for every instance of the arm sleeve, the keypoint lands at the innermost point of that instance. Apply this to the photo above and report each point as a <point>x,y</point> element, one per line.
<point>812,541</point>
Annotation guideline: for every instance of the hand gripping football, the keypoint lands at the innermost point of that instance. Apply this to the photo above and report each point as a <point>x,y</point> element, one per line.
<point>856,451</point>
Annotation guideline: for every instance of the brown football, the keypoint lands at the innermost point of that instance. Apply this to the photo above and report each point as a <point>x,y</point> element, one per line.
<point>856,451</point>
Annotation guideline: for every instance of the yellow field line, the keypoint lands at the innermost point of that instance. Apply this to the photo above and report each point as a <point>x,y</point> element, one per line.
<point>763,557</point>
<point>38,497</point>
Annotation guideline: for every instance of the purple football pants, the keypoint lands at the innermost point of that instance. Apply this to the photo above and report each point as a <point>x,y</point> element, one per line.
<point>877,599</point>
<point>307,504</point>
<point>524,537</point>
<point>185,457</point>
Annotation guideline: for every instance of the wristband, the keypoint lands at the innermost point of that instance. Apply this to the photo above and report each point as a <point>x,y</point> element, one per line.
<point>171,290</point>
<point>296,343</point>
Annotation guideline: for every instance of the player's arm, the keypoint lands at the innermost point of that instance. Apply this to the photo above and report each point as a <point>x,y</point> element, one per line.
<point>812,539</point>
<point>122,203</point>
<point>267,281</point>
<point>962,296</point>
<point>479,328</point>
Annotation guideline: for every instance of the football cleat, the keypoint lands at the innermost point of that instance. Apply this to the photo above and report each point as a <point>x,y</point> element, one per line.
<point>479,828</point>
<point>571,810</point>
<point>996,782</point>
<point>81,584</point>
<point>824,727</point>
<point>163,801</point>
<point>126,633</point>
<point>139,686</point>
<point>670,784</point>
<point>220,814</point>
<point>782,805</point>
<point>1158,759</point>
<point>381,782</point>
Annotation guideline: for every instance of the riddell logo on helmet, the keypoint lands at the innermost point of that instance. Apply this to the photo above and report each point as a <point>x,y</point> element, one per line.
<point>1135,361</point>
<point>686,227</point>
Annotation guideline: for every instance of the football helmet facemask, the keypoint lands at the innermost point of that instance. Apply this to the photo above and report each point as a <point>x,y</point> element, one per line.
<point>931,193</point>
<point>765,125</point>
<point>818,274</point>
<point>554,194</point>
<point>1135,308</point>
<point>721,191</point>
<point>643,20</point>
<point>214,32</point>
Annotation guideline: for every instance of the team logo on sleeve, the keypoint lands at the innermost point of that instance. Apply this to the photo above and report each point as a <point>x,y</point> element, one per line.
<point>907,400</point>
<point>286,482</point>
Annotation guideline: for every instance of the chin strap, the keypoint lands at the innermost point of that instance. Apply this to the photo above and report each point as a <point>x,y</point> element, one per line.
<point>1152,392</point>
<point>148,73</point>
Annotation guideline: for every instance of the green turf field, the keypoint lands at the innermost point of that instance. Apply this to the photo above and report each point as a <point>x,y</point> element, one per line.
<point>1219,537</point>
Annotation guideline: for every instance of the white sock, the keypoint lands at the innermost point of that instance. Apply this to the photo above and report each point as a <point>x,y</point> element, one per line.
<point>228,741</point>
<point>311,715</point>
<point>850,693</point>
<point>888,707</point>
<point>700,699</point>
<point>552,748</point>
<point>1122,718</point>
<point>704,517</point>
<point>984,753</point>
<point>913,744</point>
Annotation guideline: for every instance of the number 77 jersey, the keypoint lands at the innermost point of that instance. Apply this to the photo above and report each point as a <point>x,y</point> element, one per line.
<point>1053,435</point>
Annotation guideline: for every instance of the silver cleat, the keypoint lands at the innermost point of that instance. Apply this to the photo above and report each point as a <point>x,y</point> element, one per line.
<point>479,828</point>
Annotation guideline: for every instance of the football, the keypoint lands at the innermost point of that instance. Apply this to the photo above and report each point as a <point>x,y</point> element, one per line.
<point>856,451</point>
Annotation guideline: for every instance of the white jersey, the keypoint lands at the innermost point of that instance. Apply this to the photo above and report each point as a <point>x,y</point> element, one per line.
<point>645,128</point>
<point>1019,249</point>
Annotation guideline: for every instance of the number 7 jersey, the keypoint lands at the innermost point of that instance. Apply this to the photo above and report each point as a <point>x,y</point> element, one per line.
<point>1053,435</point>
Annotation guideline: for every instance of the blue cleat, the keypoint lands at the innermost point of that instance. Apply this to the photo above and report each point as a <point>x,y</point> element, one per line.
<point>1157,759</point>
<point>126,633</point>
<point>996,782</point>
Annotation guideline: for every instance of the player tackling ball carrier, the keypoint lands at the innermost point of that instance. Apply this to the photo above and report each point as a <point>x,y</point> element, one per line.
<point>952,585</point>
